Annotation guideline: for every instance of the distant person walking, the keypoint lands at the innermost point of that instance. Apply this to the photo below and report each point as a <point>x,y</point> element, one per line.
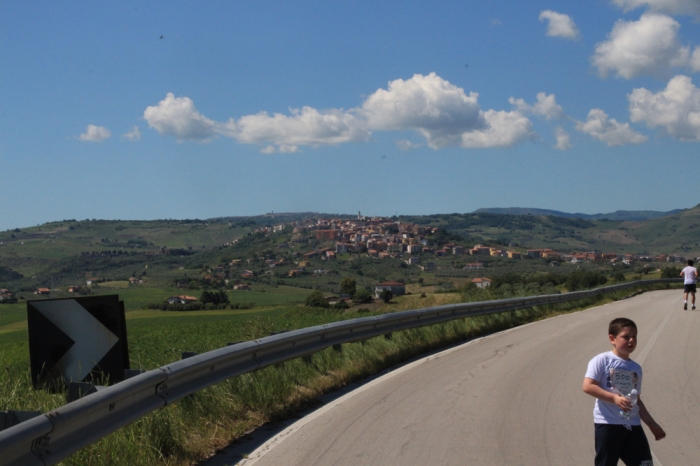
<point>690,276</point>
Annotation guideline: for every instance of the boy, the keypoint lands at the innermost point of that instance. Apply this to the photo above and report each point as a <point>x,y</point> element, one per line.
<point>690,275</point>
<point>618,437</point>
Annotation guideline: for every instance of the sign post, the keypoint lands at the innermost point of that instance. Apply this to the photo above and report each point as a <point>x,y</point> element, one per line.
<point>77,340</point>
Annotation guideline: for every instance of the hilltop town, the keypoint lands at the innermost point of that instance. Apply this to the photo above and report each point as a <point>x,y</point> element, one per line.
<point>312,252</point>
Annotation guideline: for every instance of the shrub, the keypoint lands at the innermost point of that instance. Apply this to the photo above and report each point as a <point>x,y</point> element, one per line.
<point>670,272</point>
<point>316,299</point>
<point>581,280</point>
<point>386,295</point>
<point>362,296</point>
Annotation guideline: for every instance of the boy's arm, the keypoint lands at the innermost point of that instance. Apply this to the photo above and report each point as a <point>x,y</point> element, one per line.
<point>644,415</point>
<point>591,387</point>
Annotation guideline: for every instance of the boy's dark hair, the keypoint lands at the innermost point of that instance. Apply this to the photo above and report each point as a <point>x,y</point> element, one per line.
<point>690,261</point>
<point>616,325</point>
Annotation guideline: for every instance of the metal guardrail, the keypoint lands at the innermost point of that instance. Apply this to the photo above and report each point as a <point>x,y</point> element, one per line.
<point>47,439</point>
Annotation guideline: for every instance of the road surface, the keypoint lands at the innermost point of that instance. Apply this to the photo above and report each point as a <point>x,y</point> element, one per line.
<point>513,398</point>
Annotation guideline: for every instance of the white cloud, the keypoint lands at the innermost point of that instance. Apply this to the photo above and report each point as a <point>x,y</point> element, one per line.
<point>674,7</point>
<point>646,47</point>
<point>695,60</point>
<point>177,116</point>
<point>133,135</point>
<point>563,139</point>
<point>439,110</point>
<point>676,109</point>
<point>610,131</point>
<point>504,129</point>
<point>442,112</point>
<point>405,144</point>
<point>95,134</point>
<point>307,126</point>
<point>560,25</point>
<point>545,106</point>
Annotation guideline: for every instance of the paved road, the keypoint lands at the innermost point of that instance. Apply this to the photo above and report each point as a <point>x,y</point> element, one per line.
<point>509,399</point>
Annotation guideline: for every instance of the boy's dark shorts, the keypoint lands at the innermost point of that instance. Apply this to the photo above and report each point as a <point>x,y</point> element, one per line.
<point>615,442</point>
<point>689,288</point>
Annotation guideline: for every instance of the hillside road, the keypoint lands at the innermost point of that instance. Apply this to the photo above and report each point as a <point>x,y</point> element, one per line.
<point>513,398</point>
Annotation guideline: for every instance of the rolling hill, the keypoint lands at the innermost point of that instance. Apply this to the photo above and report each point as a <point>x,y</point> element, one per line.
<point>617,215</point>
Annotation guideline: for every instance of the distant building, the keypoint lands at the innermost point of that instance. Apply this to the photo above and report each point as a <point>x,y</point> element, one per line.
<point>428,266</point>
<point>324,235</point>
<point>181,299</point>
<point>481,282</point>
<point>480,250</point>
<point>396,288</point>
<point>414,248</point>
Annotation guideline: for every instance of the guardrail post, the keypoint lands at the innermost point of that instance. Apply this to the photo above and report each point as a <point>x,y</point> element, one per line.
<point>389,336</point>
<point>338,347</point>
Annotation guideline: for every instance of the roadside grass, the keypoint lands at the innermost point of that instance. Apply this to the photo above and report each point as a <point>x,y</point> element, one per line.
<point>193,428</point>
<point>11,313</point>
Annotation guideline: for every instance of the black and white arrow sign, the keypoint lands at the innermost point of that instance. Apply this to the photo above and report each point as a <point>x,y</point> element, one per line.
<point>75,339</point>
<point>92,339</point>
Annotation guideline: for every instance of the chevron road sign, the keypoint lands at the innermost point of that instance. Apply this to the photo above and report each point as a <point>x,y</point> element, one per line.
<point>77,339</point>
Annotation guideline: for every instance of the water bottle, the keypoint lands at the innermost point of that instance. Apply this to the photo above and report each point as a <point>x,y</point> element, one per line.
<point>633,398</point>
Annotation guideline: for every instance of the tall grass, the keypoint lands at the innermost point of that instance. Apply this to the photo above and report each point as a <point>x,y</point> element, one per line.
<point>196,426</point>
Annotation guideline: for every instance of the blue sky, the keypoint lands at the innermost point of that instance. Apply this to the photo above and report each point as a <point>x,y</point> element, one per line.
<point>413,107</point>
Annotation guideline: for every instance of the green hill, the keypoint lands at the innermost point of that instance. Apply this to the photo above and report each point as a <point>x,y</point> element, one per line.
<point>617,215</point>
<point>676,233</point>
<point>165,251</point>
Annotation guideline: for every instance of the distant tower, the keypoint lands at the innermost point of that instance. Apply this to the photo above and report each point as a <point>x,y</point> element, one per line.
<point>359,215</point>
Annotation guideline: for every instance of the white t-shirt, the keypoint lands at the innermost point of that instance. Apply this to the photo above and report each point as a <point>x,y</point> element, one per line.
<point>601,369</point>
<point>690,274</point>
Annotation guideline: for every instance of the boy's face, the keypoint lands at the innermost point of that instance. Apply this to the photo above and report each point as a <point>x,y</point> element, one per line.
<point>624,342</point>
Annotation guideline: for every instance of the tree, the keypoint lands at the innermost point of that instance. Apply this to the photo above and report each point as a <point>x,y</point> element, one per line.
<point>214,297</point>
<point>362,296</point>
<point>316,299</point>
<point>670,272</point>
<point>348,286</point>
<point>386,295</point>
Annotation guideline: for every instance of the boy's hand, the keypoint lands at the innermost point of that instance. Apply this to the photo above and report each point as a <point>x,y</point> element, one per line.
<point>657,430</point>
<point>623,403</point>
